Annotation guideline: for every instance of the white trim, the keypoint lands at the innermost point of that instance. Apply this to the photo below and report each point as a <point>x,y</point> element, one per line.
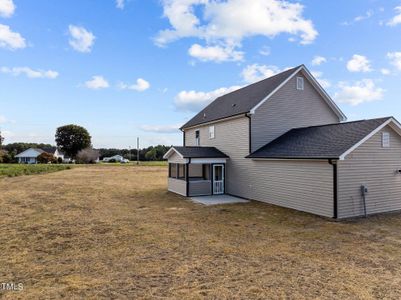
<point>208,160</point>
<point>391,120</point>
<point>168,153</point>
<point>184,161</point>
<point>315,83</point>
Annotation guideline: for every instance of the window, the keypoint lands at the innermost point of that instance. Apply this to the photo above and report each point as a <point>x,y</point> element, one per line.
<point>385,139</point>
<point>173,170</point>
<point>181,171</point>
<point>197,138</point>
<point>300,83</point>
<point>211,132</point>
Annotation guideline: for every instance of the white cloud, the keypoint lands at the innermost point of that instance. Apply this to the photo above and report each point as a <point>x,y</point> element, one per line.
<point>120,4</point>
<point>97,82</point>
<point>9,39</point>
<point>81,39</point>
<point>318,60</point>
<point>30,73</point>
<point>396,20</point>
<point>322,81</point>
<point>359,63</point>
<point>360,92</point>
<point>265,51</point>
<point>256,72</point>
<point>161,128</point>
<point>3,119</point>
<point>140,85</point>
<point>215,53</point>
<point>385,71</point>
<point>228,22</point>
<point>360,18</point>
<point>395,58</point>
<point>7,8</point>
<point>194,101</point>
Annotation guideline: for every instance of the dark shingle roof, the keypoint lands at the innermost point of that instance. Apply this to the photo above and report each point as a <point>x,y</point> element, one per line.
<point>50,150</point>
<point>240,101</point>
<point>326,141</point>
<point>200,152</point>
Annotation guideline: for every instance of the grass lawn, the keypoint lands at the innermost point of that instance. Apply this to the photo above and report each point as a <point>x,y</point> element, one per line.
<point>12,170</point>
<point>115,232</point>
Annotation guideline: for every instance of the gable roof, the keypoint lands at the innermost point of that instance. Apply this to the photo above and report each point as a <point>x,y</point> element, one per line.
<point>247,99</point>
<point>50,150</point>
<point>36,150</point>
<point>195,152</point>
<point>332,141</point>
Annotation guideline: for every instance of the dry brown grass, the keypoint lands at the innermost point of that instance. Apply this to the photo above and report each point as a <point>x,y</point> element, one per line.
<point>114,232</point>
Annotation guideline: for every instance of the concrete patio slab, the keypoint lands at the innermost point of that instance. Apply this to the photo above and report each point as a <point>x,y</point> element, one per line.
<point>218,200</point>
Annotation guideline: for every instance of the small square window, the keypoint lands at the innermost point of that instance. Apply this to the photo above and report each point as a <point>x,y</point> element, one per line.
<point>211,132</point>
<point>300,83</point>
<point>385,139</point>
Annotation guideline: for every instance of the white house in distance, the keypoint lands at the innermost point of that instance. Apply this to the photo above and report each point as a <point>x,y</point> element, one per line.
<point>115,158</point>
<point>30,155</point>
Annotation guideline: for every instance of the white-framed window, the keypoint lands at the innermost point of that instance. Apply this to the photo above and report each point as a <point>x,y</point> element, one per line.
<point>197,138</point>
<point>386,139</point>
<point>211,132</point>
<point>300,83</point>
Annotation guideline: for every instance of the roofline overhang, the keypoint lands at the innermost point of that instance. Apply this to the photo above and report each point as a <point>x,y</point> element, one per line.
<point>293,158</point>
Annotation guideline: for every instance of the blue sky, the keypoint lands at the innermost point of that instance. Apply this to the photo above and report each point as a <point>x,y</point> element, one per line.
<point>132,68</point>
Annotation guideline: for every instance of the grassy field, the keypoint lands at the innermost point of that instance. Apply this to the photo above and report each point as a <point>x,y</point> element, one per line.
<point>115,233</point>
<point>12,170</point>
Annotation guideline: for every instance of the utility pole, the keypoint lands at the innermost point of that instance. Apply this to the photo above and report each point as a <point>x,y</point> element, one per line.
<point>137,151</point>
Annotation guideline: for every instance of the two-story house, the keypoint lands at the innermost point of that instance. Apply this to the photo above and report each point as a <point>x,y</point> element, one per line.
<point>284,141</point>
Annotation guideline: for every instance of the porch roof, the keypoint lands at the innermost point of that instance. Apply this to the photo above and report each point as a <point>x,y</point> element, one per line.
<point>196,152</point>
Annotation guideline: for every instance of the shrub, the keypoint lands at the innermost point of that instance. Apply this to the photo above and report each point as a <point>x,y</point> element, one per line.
<point>59,160</point>
<point>46,158</point>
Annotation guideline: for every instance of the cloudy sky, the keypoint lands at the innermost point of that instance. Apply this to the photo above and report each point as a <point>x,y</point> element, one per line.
<point>128,68</point>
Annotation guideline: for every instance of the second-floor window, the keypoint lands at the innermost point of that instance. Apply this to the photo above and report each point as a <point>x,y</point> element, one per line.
<point>300,83</point>
<point>211,132</point>
<point>197,138</point>
<point>386,140</point>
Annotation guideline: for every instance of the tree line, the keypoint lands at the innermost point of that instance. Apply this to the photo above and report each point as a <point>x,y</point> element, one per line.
<point>75,142</point>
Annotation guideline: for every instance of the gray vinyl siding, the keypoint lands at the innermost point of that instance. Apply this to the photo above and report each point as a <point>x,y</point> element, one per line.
<point>177,186</point>
<point>289,108</point>
<point>304,185</point>
<point>374,166</point>
<point>232,138</point>
<point>301,185</point>
<point>200,188</point>
<point>175,158</point>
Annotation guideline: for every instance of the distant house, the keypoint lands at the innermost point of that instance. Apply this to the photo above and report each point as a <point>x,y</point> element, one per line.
<point>30,155</point>
<point>115,158</point>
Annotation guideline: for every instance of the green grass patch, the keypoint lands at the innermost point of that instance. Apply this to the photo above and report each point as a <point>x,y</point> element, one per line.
<point>13,170</point>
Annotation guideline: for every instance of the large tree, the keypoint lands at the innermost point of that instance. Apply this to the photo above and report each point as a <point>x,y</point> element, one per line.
<point>1,140</point>
<point>72,138</point>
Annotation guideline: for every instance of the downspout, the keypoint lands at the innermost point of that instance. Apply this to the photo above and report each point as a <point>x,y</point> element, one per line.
<point>250,132</point>
<point>187,176</point>
<point>183,137</point>
<point>335,188</point>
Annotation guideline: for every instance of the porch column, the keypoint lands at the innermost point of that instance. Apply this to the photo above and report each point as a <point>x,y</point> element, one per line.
<point>187,177</point>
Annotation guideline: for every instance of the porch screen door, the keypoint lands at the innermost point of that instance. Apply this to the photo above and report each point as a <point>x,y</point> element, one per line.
<point>218,179</point>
